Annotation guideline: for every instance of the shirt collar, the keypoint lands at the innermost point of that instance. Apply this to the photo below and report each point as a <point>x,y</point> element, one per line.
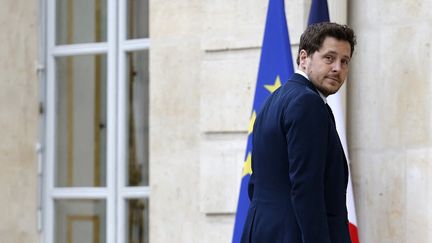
<point>305,75</point>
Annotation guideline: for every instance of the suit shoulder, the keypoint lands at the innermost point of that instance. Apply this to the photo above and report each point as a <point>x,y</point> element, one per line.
<point>308,97</point>
<point>306,105</point>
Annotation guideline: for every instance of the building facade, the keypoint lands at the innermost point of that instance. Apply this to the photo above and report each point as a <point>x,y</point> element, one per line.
<point>126,121</point>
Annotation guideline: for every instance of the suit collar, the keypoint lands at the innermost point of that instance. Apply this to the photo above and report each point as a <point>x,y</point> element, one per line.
<point>299,78</point>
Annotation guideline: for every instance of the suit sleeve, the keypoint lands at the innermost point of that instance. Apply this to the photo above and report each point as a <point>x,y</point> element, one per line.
<point>306,125</point>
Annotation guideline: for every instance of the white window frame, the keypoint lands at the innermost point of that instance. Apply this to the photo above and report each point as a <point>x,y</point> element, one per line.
<point>125,192</point>
<point>116,192</point>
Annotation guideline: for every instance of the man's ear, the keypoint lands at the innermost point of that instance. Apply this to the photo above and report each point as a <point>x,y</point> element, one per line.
<point>302,58</point>
<point>303,54</point>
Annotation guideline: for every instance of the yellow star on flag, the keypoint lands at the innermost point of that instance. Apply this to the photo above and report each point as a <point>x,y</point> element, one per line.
<point>274,87</point>
<point>251,122</point>
<point>247,166</point>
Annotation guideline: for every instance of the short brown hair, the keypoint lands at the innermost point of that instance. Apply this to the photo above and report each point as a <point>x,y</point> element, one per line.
<point>313,37</point>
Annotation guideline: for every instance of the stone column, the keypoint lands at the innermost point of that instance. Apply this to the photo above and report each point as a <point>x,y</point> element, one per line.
<point>389,111</point>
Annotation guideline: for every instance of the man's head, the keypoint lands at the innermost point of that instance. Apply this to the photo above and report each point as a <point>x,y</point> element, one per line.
<point>324,54</point>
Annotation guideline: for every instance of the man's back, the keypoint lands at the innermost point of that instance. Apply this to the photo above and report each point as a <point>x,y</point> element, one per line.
<point>299,170</point>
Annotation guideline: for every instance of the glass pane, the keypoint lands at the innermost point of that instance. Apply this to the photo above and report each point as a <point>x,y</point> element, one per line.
<point>80,221</point>
<point>137,19</point>
<point>137,220</point>
<point>81,21</point>
<point>137,78</point>
<point>81,121</point>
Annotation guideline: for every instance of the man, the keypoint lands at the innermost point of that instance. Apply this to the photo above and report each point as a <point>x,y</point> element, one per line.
<point>298,185</point>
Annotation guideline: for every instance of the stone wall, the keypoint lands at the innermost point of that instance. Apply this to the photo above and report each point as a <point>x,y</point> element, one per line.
<point>18,121</point>
<point>389,111</point>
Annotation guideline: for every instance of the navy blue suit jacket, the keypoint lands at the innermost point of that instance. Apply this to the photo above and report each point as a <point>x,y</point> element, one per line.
<point>300,174</point>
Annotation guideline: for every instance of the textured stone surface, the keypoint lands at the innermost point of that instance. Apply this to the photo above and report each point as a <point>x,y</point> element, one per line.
<point>18,121</point>
<point>238,24</point>
<point>221,171</point>
<point>174,121</point>
<point>390,119</point>
<point>231,24</point>
<point>227,86</point>
<point>418,195</point>
<point>174,136</point>
<point>379,183</point>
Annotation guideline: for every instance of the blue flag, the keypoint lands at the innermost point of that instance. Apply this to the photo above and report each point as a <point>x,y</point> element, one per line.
<point>276,66</point>
<point>318,12</point>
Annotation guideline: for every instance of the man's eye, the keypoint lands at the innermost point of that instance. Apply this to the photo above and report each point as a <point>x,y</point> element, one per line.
<point>329,58</point>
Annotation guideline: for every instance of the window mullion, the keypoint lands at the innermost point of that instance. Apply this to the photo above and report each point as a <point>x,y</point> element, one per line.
<point>79,193</point>
<point>80,49</point>
<point>137,44</point>
<point>122,121</point>
<point>48,208</point>
<point>112,97</point>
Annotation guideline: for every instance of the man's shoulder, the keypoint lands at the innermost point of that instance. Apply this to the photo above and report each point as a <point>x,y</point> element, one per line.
<point>307,98</point>
<point>303,97</point>
<point>295,91</point>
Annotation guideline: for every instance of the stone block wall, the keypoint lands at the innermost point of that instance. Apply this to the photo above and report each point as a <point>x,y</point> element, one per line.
<point>18,121</point>
<point>389,119</point>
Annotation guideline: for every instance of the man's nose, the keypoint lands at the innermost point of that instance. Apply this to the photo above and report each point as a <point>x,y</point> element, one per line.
<point>337,66</point>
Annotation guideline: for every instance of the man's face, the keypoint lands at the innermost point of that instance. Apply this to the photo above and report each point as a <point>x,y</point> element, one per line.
<point>327,68</point>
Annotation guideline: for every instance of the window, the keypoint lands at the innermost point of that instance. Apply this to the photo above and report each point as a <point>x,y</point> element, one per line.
<point>96,99</point>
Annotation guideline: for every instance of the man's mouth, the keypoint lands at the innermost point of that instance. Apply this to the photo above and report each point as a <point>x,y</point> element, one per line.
<point>334,79</point>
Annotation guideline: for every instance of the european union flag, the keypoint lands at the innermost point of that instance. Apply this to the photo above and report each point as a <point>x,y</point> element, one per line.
<point>276,66</point>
